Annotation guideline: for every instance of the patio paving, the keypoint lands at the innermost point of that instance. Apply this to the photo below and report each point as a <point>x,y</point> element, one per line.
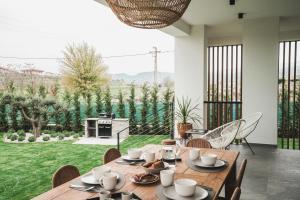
<point>271,174</point>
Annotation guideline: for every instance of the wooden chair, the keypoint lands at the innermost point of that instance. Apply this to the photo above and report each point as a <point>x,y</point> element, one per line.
<point>236,194</point>
<point>168,142</point>
<point>111,154</point>
<point>64,174</point>
<point>198,143</point>
<point>240,173</point>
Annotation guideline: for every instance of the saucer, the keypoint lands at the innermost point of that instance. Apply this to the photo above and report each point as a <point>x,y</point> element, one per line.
<point>218,164</point>
<point>90,179</point>
<point>127,158</point>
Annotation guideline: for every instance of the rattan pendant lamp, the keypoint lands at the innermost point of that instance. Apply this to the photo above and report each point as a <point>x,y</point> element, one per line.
<point>148,14</point>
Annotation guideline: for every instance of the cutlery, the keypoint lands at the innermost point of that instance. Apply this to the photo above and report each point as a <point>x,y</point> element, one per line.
<point>82,188</point>
<point>87,189</point>
<point>206,188</point>
<point>125,162</point>
<point>77,186</point>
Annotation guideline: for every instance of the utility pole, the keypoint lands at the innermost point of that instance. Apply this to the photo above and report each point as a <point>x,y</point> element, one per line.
<point>154,54</point>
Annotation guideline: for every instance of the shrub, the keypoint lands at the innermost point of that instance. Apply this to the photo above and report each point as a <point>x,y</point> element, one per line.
<point>8,135</point>
<point>81,134</point>
<point>46,132</point>
<point>61,136</point>
<point>31,139</point>
<point>76,136</point>
<point>14,137</point>
<point>54,135</point>
<point>21,133</point>
<point>67,134</point>
<point>11,131</point>
<point>46,138</point>
<point>21,138</point>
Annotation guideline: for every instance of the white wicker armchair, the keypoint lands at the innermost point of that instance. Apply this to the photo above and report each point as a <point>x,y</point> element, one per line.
<point>223,136</point>
<point>249,127</point>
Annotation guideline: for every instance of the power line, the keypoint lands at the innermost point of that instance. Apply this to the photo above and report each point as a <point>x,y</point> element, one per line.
<point>57,58</point>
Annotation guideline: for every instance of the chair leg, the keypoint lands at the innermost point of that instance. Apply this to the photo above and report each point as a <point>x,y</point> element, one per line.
<point>249,146</point>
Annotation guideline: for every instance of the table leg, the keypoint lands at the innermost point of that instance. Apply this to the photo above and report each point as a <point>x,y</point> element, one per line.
<point>230,182</point>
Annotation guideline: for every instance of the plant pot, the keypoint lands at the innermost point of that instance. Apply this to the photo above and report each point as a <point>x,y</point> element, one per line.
<point>182,128</point>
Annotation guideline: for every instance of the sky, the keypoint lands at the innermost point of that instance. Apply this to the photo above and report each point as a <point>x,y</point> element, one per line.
<point>42,28</point>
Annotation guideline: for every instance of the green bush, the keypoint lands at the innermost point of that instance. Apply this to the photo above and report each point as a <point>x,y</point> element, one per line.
<point>67,134</point>
<point>21,138</point>
<point>14,137</point>
<point>61,136</point>
<point>48,132</point>
<point>8,135</point>
<point>31,139</point>
<point>46,138</point>
<point>11,131</point>
<point>54,134</point>
<point>76,136</point>
<point>21,133</point>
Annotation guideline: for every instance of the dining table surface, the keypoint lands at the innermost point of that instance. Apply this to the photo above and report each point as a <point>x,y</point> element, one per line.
<point>213,180</point>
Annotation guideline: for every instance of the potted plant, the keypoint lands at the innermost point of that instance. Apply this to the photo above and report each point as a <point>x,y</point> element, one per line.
<point>186,113</point>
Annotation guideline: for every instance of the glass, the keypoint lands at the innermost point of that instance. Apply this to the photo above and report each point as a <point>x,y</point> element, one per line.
<point>169,154</point>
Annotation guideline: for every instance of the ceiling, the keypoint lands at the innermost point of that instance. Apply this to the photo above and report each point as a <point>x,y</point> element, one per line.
<point>213,12</point>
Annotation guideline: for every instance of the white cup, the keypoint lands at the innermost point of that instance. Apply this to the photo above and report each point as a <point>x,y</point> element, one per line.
<point>167,177</point>
<point>209,159</point>
<point>108,181</point>
<point>126,195</point>
<point>104,194</point>
<point>99,171</point>
<point>134,153</point>
<point>149,156</point>
<point>194,154</point>
<point>185,187</point>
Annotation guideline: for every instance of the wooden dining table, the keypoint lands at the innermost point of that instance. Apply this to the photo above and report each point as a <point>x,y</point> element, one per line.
<point>213,180</point>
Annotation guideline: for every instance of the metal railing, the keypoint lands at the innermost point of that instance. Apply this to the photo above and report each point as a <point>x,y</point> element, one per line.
<point>156,131</point>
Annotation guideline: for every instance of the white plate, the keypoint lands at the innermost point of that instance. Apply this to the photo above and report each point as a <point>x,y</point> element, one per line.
<point>90,179</point>
<point>127,158</point>
<point>170,193</point>
<point>145,183</point>
<point>199,163</point>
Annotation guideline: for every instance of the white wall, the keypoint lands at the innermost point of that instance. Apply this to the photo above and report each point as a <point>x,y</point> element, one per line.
<point>190,64</point>
<point>260,76</point>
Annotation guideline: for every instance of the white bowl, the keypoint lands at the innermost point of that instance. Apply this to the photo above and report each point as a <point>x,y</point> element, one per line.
<point>185,187</point>
<point>99,171</point>
<point>209,159</point>
<point>134,153</point>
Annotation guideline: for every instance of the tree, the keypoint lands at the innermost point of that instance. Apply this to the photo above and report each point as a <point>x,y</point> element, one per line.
<point>89,109</point>
<point>42,92</point>
<point>33,109</point>
<point>99,104</point>
<point>145,108</point>
<point>68,115</point>
<point>76,105</point>
<point>59,110</point>
<point>167,98</point>
<point>132,110</point>
<point>54,89</point>
<point>154,102</point>
<point>83,69</point>
<point>121,105</point>
<point>3,116</point>
<point>107,101</point>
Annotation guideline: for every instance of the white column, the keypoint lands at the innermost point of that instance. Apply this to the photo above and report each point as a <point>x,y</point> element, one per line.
<point>190,58</point>
<point>260,76</point>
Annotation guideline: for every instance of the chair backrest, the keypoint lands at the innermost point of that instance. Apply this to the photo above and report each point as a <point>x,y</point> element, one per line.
<point>236,194</point>
<point>111,154</point>
<point>241,172</point>
<point>168,142</point>
<point>64,174</point>
<point>225,137</point>
<point>250,125</point>
<point>198,143</point>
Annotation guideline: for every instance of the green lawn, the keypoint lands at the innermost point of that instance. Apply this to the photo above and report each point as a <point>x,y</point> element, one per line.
<point>26,169</point>
<point>285,142</point>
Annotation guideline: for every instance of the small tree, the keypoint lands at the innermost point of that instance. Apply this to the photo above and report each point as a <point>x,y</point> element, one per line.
<point>68,116</point>
<point>33,109</point>
<point>154,102</point>
<point>89,109</point>
<point>3,116</point>
<point>132,110</point>
<point>42,92</point>
<point>167,98</point>
<point>54,89</point>
<point>76,105</point>
<point>99,104</point>
<point>13,117</point>
<point>107,101</point>
<point>121,105</point>
<point>58,113</point>
<point>145,108</point>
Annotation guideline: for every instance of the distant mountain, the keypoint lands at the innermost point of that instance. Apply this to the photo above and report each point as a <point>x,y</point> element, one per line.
<point>143,77</point>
